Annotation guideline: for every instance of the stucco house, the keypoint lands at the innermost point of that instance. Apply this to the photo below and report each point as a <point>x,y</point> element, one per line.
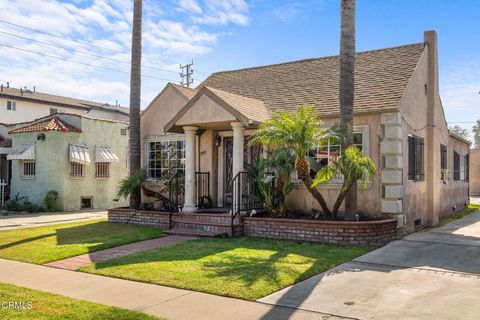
<point>80,157</point>
<point>398,121</point>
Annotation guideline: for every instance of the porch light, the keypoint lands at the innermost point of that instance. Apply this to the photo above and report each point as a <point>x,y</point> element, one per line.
<point>218,141</point>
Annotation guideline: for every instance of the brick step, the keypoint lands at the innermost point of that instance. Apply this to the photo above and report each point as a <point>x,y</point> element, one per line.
<point>203,226</point>
<point>198,233</point>
<point>206,218</point>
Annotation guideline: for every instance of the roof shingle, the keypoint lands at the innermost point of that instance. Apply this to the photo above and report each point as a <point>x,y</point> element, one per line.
<point>381,77</point>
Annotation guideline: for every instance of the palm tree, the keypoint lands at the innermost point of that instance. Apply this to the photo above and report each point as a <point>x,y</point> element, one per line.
<point>299,131</point>
<point>135,89</point>
<point>346,87</point>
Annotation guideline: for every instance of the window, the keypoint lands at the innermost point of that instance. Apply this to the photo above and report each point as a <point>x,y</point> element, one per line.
<point>456,166</point>
<point>415,158</point>
<point>86,203</point>
<point>165,158</point>
<point>467,167</point>
<point>443,162</point>
<point>11,105</point>
<point>123,132</point>
<point>77,170</point>
<point>323,155</point>
<point>102,170</point>
<point>28,169</point>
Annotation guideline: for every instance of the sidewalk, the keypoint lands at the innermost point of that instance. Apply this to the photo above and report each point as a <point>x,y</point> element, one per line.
<point>18,221</point>
<point>174,304</point>
<point>75,263</point>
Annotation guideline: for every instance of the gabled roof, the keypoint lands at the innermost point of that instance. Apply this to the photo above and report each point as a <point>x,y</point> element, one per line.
<point>244,109</point>
<point>187,92</point>
<point>27,95</point>
<point>381,77</point>
<point>51,124</point>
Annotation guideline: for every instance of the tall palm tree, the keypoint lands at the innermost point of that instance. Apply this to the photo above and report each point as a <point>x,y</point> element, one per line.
<point>346,87</point>
<point>135,89</point>
<point>299,131</point>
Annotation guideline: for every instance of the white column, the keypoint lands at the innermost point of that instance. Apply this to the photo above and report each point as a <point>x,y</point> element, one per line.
<point>238,143</point>
<point>190,156</point>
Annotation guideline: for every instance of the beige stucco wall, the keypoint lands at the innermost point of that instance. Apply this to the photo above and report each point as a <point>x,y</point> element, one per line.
<point>53,166</point>
<point>475,172</point>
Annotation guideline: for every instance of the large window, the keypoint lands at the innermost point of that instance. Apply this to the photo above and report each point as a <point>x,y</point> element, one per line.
<point>324,154</point>
<point>165,158</point>
<point>415,158</point>
<point>28,169</point>
<point>443,162</point>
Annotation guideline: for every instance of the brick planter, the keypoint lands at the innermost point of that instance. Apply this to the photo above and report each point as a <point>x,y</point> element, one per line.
<point>378,232</point>
<point>156,219</point>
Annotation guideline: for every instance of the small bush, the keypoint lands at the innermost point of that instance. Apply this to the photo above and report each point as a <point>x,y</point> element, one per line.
<point>51,201</point>
<point>19,204</point>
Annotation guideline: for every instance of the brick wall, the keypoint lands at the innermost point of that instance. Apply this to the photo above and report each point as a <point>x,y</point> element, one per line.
<point>334,232</point>
<point>145,218</point>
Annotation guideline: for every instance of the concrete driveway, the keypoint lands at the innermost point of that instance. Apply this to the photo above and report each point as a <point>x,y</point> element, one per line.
<point>18,221</point>
<point>433,274</point>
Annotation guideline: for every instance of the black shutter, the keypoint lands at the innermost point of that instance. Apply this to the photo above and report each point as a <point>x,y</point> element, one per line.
<point>411,158</point>
<point>467,167</point>
<point>456,166</point>
<point>420,167</point>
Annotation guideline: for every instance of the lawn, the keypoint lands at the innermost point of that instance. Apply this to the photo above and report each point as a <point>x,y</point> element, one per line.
<point>50,243</point>
<point>243,268</point>
<point>52,307</point>
<point>460,214</point>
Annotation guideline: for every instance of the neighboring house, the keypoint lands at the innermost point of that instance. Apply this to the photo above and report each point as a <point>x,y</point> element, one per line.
<point>475,172</point>
<point>22,105</point>
<point>80,157</point>
<point>399,122</point>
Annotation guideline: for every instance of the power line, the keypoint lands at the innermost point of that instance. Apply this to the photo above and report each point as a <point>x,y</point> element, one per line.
<point>81,52</point>
<point>78,41</point>
<point>82,63</point>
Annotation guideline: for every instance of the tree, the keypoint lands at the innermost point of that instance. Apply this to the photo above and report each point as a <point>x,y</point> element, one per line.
<point>351,164</point>
<point>476,134</point>
<point>346,88</point>
<point>135,91</point>
<point>459,131</point>
<point>299,131</point>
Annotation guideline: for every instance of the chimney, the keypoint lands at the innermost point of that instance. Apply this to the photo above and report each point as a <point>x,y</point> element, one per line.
<point>8,84</point>
<point>21,91</point>
<point>430,38</point>
<point>34,89</point>
<point>1,87</point>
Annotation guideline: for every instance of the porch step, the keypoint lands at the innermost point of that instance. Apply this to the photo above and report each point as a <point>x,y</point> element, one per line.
<point>197,232</point>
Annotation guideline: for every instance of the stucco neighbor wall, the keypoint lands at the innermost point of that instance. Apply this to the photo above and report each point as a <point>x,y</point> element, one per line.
<point>53,166</point>
<point>475,172</point>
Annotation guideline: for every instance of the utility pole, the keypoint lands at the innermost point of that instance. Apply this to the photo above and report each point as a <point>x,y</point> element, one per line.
<point>186,74</point>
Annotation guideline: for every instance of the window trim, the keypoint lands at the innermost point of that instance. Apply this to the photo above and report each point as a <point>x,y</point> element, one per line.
<point>82,171</point>
<point>416,170</point>
<point>24,176</point>
<point>104,169</point>
<point>11,105</point>
<point>159,139</point>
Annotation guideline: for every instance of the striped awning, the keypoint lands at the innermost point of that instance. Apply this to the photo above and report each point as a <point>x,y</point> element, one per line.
<point>105,154</point>
<point>23,151</point>
<point>79,154</point>
<point>4,150</point>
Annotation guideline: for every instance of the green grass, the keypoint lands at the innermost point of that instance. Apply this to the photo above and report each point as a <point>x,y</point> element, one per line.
<point>244,268</point>
<point>55,307</point>
<point>50,243</point>
<point>460,214</point>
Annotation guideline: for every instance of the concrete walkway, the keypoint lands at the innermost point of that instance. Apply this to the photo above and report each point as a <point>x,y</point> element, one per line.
<point>433,274</point>
<point>18,221</point>
<point>153,299</point>
<point>75,263</point>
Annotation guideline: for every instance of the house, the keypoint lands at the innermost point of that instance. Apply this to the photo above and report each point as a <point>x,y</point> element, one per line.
<point>80,157</point>
<point>475,172</point>
<point>398,121</point>
<point>21,105</point>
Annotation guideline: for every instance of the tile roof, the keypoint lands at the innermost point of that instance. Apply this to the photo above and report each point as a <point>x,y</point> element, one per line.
<point>187,92</point>
<point>59,100</point>
<point>381,77</point>
<point>50,124</point>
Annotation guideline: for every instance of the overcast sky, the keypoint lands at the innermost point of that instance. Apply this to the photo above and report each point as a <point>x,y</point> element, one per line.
<point>222,35</point>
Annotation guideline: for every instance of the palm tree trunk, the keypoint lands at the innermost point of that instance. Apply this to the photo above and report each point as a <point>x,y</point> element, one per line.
<point>303,171</point>
<point>346,87</point>
<point>340,199</point>
<point>135,89</point>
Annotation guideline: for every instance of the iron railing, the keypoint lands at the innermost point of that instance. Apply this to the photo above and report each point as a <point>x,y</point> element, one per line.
<point>202,184</point>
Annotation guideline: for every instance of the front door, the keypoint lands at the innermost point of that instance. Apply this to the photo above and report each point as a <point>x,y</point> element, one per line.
<point>251,155</point>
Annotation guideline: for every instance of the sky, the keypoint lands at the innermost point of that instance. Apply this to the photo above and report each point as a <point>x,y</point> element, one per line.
<point>39,39</point>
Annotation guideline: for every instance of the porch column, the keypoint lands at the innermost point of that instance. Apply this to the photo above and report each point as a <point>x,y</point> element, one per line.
<point>190,156</point>
<point>238,142</point>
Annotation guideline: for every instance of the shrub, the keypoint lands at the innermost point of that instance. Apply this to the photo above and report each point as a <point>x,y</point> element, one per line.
<point>50,201</point>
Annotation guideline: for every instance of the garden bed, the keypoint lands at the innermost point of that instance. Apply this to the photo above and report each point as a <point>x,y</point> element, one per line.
<point>150,218</point>
<point>377,232</point>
